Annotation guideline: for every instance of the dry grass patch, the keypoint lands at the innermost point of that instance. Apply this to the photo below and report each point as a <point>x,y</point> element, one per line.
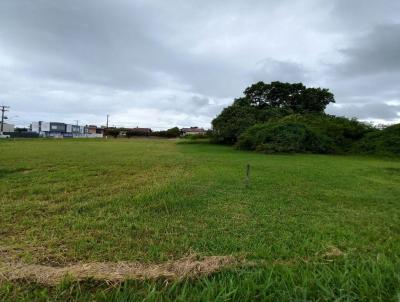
<point>191,266</point>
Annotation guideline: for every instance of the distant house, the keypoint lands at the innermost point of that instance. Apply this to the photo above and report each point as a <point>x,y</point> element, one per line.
<point>193,131</point>
<point>7,128</point>
<point>93,129</point>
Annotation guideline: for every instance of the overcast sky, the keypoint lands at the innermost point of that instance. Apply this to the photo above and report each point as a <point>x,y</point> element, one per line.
<point>157,63</point>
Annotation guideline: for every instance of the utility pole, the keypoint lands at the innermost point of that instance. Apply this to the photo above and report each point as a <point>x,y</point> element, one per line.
<point>3,110</point>
<point>77,122</point>
<point>106,127</point>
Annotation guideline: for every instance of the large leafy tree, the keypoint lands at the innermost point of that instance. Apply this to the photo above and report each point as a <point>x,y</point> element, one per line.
<point>263,102</point>
<point>295,97</point>
<point>233,120</point>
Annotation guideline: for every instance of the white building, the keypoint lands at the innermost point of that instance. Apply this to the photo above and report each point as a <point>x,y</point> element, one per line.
<point>7,127</point>
<point>40,127</point>
<point>55,129</point>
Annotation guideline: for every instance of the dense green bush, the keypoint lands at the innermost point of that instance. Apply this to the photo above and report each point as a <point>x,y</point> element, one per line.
<point>137,132</point>
<point>266,102</point>
<point>316,133</point>
<point>233,121</point>
<point>173,132</point>
<point>283,137</point>
<point>341,131</point>
<point>383,142</point>
<point>114,132</point>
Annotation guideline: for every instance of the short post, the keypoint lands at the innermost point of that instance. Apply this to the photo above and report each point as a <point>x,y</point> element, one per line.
<point>247,182</point>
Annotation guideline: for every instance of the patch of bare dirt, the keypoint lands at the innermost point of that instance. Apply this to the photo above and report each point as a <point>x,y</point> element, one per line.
<point>188,267</point>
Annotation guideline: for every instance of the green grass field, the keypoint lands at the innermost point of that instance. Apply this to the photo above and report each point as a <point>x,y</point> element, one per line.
<point>68,201</point>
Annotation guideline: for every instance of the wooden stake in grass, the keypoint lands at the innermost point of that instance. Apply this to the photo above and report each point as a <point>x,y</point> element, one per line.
<point>247,181</point>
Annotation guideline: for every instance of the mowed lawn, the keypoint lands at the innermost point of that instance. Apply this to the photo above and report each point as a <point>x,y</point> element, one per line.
<point>149,200</point>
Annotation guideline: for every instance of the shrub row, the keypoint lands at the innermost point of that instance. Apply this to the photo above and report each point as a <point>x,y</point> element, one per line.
<point>320,133</point>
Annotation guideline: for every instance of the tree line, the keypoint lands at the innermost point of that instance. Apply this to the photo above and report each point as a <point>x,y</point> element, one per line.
<point>115,132</point>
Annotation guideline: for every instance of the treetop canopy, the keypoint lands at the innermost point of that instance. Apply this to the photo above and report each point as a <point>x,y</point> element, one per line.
<point>295,97</point>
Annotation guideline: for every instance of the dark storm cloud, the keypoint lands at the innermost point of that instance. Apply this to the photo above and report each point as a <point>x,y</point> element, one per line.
<point>179,62</point>
<point>368,75</point>
<point>376,52</point>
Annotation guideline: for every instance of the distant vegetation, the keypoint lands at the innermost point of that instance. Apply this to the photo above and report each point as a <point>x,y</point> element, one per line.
<point>136,132</point>
<point>114,132</point>
<point>173,132</point>
<point>142,132</point>
<point>283,117</point>
<point>384,142</point>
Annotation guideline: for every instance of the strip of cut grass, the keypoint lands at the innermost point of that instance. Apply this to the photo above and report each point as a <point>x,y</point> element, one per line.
<point>63,201</point>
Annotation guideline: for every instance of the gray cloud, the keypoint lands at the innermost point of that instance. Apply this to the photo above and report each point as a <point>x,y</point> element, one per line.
<point>157,63</point>
<point>376,52</point>
<point>368,111</point>
<point>269,70</point>
<point>367,76</point>
<point>356,16</point>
